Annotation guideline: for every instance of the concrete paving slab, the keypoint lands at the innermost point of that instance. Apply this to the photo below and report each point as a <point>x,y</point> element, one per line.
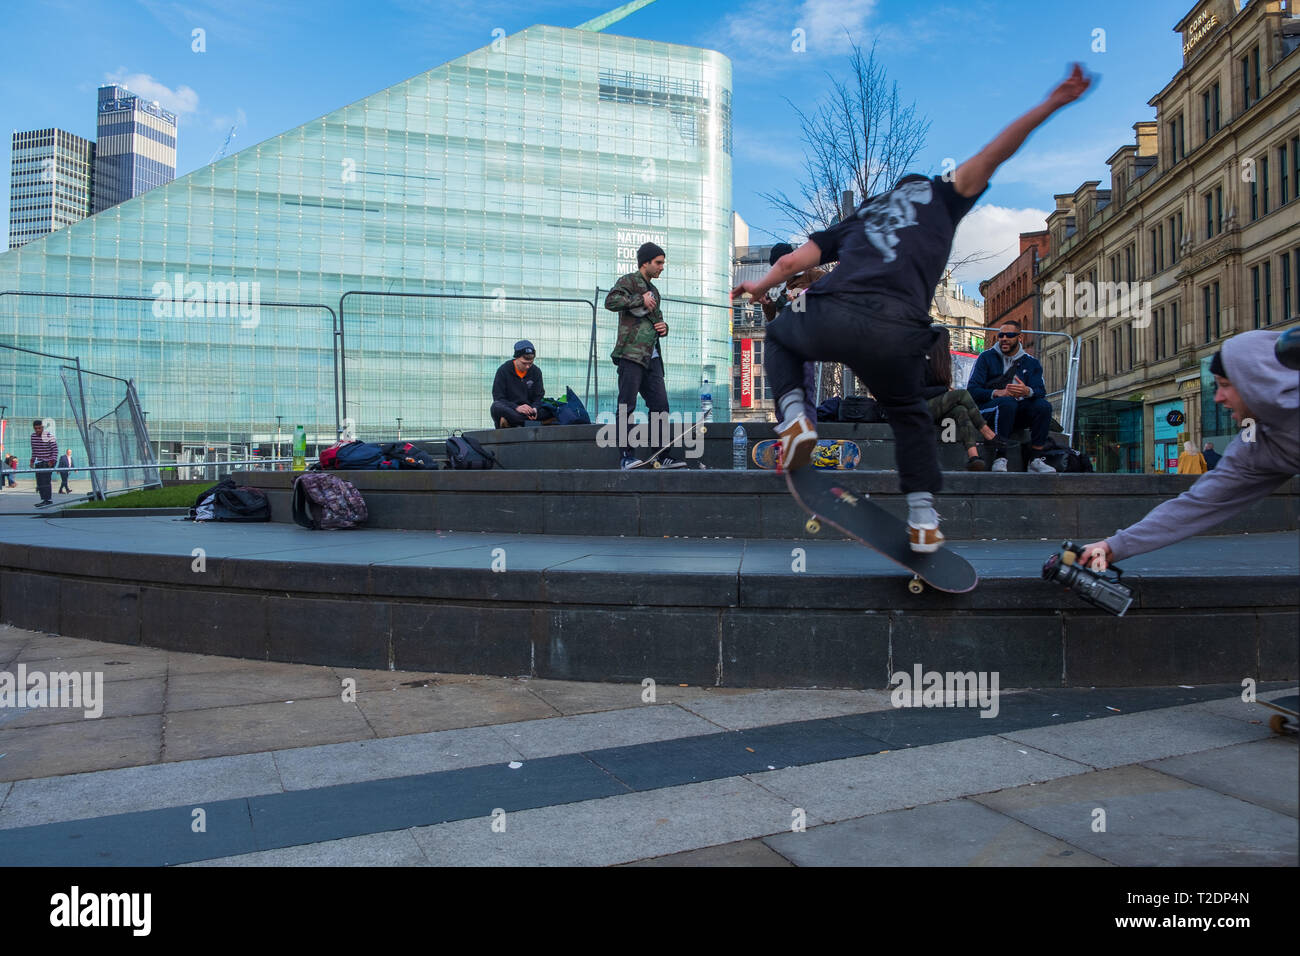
<point>367,680</point>
<point>614,830</point>
<point>395,848</point>
<point>952,833</point>
<point>224,731</point>
<point>416,710</point>
<point>115,662</point>
<point>188,783</point>
<point>1238,709</point>
<point>79,746</point>
<point>616,728</point>
<point>1152,819</point>
<point>263,682</point>
<point>581,697</point>
<point>783,706</point>
<point>50,646</point>
<point>1132,738</point>
<point>305,768</point>
<point>127,698</point>
<point>1265,773</point>
<point>745,853</point>
<point>844,789</point>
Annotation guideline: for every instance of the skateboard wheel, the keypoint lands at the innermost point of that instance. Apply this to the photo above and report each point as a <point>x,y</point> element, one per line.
<point>657,465</point>
<point>812,525</point>
<point>916,585</point>
<point>1277,724</point>
<point>703,430</point>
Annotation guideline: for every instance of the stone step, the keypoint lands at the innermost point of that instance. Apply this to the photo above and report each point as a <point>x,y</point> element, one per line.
<point>756,504</point>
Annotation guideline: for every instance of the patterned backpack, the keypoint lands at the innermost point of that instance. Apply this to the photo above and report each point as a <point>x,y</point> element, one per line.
<point>323,502</point>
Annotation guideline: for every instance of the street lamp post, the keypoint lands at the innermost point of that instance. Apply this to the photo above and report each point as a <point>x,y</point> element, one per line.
<point>278,419</point>
<point>399,429</point>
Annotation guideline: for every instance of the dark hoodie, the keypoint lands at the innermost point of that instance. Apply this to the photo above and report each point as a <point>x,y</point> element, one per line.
<point>1248,470</point>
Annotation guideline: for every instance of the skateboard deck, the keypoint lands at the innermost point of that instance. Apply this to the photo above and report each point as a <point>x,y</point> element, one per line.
<point>830,454</point>
<point>864,521</point>
<point>1288,712</point>
<point>653,460</point>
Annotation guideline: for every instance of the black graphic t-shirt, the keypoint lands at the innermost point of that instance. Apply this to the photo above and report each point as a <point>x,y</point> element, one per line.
<point>894,244</point>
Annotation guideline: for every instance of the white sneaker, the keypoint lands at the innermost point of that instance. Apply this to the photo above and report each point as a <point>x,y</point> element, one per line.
<point>999,464</point>
<point>1039,466</point>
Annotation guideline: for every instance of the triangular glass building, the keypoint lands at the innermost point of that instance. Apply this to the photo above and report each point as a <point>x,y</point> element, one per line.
<point>526,171</point>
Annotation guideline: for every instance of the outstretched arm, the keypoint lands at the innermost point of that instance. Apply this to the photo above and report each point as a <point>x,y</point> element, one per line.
<point>973,175</point>
<point>790,264</point>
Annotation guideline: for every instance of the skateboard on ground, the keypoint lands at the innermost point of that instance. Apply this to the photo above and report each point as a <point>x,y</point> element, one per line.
<point>1288,710</point>
<point>854,515</point>
<point>654,462</point>
<point>830,454</point>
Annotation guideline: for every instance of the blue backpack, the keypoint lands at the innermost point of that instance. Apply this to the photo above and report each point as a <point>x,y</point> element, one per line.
<point>357,456</point>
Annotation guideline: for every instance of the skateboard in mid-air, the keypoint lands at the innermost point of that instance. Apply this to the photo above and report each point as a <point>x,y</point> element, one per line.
<point>830,454</point>
<point>853,514</point>
<point>1288,711</point>
<point>654,462</point>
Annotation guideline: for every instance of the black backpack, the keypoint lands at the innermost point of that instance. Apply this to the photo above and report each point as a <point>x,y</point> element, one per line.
<point>227,501</point>
<point>464,452</point>
<point>861,408</point>
<point>408,456</point>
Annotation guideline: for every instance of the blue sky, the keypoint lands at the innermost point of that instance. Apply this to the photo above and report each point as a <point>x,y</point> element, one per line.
<point>971,67</point>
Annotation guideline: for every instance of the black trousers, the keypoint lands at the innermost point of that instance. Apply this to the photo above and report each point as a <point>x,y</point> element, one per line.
<point>1006,414</point>
<point>885,344</point>
<point>514,417</point>
<point>635,379</point>
<point>44,474</point>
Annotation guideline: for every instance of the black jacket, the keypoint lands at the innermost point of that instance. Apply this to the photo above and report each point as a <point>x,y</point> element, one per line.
<point>509,387</point>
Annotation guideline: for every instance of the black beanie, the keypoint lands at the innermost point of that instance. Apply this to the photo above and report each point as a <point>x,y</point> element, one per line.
<point>1216,365</point>
<point>648,252</point>
<point>779,250</point>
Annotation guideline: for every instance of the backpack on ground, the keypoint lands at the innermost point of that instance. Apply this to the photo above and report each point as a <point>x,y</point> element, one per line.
<point>356,456</point>
<point>227,501</point>
<point>324,502</point>
<point>1066,460</point>
<point>464,452</point>
<point>408,456</point>
<point>861,408</point>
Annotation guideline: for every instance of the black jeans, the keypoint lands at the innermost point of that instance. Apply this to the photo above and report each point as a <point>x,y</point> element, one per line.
<point>45,471</point>
<point>516,418</point>
<point>1006,414</point>
<point>648,382</point>
<point>885,344</point>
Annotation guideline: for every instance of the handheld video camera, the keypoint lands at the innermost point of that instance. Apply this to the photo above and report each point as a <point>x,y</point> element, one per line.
<point>1098,590</point>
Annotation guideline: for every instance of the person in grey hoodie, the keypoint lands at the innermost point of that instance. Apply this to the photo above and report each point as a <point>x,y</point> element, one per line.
<point>1264,398</point>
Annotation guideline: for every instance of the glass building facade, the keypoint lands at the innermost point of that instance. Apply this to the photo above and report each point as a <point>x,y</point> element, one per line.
<point>487,200</point>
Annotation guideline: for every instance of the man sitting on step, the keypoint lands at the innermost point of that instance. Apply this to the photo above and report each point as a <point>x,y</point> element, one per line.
<point>517,391</point>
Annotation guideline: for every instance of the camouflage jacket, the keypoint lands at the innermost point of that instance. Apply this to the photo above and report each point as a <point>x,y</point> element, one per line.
<point>637,338</point>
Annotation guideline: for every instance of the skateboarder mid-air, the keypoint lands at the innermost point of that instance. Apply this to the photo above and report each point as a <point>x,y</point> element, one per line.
<point>871,311</point>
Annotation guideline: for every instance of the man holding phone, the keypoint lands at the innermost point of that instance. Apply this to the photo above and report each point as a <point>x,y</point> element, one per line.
<point>1007,384</point>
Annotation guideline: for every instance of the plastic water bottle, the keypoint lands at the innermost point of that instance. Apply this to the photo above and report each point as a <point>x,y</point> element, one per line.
<point>706,400</point>
<point>739,449</point>
<point>299,448</point>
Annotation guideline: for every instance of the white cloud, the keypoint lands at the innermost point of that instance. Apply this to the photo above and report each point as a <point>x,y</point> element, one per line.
<point>992,231</point>
<point>180,101</point>
<point>766,27</point>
